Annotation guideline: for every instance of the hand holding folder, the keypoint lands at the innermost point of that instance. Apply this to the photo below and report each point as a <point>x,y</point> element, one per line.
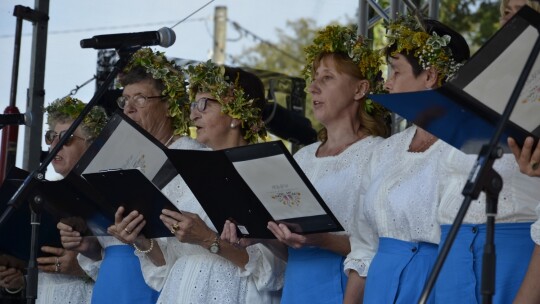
<point>465,111</point>
<point>249,185</point>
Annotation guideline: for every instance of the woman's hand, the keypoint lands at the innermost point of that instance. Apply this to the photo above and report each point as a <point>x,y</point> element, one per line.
<point>127,229</point>
<point>11,278</point>
<point>284,235</point>
<point>229,235</point>
<point>188,227</point>
<point>527,159</point>
<point>72,240</point>
<point>62,261</point>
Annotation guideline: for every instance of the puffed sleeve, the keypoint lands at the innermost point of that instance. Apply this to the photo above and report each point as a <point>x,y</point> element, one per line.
<point>535,227</point>
<point>266,270</point>
<point>364,243</point>
<point>363,237</point>
<point>154,275</point>
<point>89,266</point>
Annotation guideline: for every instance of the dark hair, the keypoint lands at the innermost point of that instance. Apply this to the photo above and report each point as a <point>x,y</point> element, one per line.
<point>252,86</point>
<point>458,45</point>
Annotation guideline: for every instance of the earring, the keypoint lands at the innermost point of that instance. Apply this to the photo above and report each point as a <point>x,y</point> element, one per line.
<point>233,125</point>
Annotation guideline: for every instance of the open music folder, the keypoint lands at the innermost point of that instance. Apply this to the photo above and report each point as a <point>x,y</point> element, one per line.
<point>465,111</point>
<point>248,185</point>
<point>122,167</point>
<point>252,185</point>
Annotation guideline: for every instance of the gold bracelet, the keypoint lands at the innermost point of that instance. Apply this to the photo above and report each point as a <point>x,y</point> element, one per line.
<point>147,250</point>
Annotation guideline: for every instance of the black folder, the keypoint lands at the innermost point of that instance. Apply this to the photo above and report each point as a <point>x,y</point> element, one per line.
<point>89,202</point>
<point>16,231</point>
<point>214,178</point>
<point>252,185</point>
<point>465,111</point>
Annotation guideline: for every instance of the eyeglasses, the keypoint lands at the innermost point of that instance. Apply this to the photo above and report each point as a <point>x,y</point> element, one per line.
<point>51,135</point>
<point>139,100</point>
<point>200,104</point>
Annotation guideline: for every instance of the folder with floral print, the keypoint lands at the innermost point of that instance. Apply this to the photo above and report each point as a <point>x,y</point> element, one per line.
<point>252,185</point>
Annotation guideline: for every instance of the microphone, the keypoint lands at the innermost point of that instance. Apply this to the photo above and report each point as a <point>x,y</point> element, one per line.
<point>15,119</point>
<point>164,37</point>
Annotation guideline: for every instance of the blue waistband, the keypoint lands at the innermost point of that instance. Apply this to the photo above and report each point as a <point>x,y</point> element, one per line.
<point>395,246</point>
<point>120,251</point>
<point>518,228</point>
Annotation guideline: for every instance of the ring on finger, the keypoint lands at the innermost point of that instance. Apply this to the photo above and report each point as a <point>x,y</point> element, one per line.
<point>127,231</point>
<point>175,227</point>
<point>535,165</point>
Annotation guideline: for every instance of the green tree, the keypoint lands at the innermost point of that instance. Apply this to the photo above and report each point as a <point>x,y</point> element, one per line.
<point>284,56</point>
<point>476,20</point>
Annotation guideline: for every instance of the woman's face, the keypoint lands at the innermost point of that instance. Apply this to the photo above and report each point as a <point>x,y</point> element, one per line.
<point>401,78</point>
<point>71,152</point>
<point>213,127</point>
<point>152,115</point>
<point>511,9</point>
<point>334,93</point>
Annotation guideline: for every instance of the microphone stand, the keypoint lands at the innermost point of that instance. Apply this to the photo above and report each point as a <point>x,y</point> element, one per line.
<point>37,176</point>
<point>483,178</point>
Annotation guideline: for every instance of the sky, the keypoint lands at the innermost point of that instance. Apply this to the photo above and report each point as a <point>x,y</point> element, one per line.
<point>68,65</point>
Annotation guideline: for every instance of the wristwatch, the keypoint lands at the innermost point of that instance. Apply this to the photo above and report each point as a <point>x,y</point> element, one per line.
<point>214,247</point>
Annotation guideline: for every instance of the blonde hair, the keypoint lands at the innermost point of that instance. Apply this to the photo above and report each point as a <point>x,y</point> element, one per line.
<point>532,3</point>
<point>374,124</point>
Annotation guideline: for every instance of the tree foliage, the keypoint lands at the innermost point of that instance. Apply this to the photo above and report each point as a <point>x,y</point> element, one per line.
<point>284,56</point>
<point>476,20</point>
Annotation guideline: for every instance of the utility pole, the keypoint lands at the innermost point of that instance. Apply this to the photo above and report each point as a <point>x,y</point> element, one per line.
<point>220,34</point>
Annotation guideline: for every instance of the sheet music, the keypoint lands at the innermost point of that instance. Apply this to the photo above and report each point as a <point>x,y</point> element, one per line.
<point>495,84</point>
<point>277,185</point>
<point>127,148</point>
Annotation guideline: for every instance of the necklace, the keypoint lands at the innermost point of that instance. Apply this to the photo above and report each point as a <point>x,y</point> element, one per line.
<point>169,141</point>
<point>424,145</point>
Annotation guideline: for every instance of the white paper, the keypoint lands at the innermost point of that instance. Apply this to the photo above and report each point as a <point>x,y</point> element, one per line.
<point>277,185</point>
<point>127,148</point>
<point>495,84</point>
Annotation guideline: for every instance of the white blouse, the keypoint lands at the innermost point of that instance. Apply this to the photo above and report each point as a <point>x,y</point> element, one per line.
<point>401,195</point>
<point>63,289</point>
<point>517,200</point>
<point>535,227</point>
<point>194,275</point>
<point>403,190</point>
<point>337,179</point>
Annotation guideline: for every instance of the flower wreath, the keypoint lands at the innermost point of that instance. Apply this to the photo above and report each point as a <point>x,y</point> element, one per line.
<point>209,77</point>
<point>431,50</point>
<point>70,108</point>
<point>172,77</point>
<point>341,39</point>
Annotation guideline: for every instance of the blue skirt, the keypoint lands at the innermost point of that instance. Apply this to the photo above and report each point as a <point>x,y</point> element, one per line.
<point>460,277</point>
<point>120,279</point>
<point>399,271</point>
<point>314,275</point>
